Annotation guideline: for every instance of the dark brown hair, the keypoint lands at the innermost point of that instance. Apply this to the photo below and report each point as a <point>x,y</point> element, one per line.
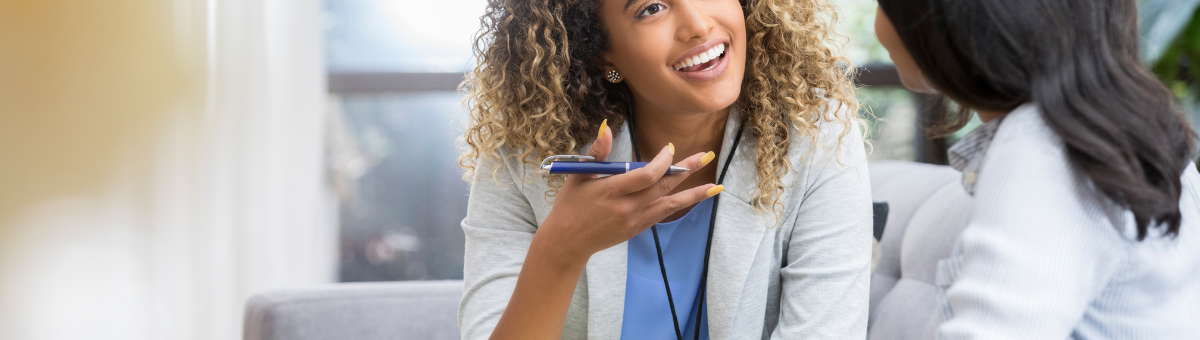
<point>1077,60</point>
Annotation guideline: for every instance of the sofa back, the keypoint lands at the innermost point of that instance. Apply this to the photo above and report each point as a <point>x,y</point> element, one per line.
<point>358,311</point>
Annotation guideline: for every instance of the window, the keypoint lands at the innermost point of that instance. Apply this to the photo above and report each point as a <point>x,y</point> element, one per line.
<point>394,66</point>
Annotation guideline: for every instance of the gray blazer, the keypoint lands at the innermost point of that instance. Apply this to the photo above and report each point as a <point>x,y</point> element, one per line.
<point>805,275</point>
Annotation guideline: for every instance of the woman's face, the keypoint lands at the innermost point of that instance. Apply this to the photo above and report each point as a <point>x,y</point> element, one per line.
<point>910,74</point>
<point>678,55</point>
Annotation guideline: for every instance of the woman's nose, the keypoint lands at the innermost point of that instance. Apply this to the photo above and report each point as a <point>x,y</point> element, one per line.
<point>693,21</point>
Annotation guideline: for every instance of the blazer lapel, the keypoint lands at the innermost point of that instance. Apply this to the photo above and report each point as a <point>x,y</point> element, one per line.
<point>607,269</point>
<point>738,233</point>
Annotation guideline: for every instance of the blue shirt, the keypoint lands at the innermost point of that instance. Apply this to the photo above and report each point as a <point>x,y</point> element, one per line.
<point>647,313</point>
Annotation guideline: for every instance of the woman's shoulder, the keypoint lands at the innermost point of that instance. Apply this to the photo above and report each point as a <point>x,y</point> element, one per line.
<point>1025,144</point>
<point>835,136</point>
<point>1026,170</point>
<point>1025,126</point>
<point>835,127</point>
<point>832,145</point>
<point>504,168</point>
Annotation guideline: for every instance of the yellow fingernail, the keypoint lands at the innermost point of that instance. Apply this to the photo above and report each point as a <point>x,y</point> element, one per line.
<point>708,157</point>
<point>671,148</point>
<point>715,190</point>
<point>603,125</point>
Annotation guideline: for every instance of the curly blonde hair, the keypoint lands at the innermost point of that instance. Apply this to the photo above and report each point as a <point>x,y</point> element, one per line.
<point>536,88</point>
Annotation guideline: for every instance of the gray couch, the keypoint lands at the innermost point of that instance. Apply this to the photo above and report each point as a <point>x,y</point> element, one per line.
<point>927,212</point>
<point>356,311</point>
<point>928,209</point>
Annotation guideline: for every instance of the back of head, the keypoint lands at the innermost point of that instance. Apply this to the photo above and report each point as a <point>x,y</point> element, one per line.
<point>1077,60</point>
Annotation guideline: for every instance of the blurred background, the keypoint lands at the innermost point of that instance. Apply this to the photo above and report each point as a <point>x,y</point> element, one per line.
<point>162,160</point>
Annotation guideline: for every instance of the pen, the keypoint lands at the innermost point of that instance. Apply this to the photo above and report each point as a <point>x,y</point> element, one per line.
<point>572,164</point>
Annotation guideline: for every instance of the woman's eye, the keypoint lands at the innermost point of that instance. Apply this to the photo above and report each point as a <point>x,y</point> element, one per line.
<point>650,10</point>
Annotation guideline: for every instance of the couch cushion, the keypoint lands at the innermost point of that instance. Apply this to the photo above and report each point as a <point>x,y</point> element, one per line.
<point>904,186</point>
<point>905,312</point>
<point>933,231</point>
<point>928,209</point>
<point>360,311</point>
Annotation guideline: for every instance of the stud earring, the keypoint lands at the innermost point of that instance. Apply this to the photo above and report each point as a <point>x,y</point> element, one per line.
<point>614,77</point>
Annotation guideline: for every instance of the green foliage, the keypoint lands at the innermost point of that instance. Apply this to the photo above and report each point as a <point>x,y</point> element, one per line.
<point>1171,38</point>
<point>856,23</point>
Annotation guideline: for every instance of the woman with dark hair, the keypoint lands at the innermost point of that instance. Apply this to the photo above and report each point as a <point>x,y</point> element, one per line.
<point>1085,216</point>
<point>768,232</point>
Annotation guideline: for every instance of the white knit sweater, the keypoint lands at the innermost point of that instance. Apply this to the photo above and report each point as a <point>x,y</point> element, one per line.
<point>1043,257</point>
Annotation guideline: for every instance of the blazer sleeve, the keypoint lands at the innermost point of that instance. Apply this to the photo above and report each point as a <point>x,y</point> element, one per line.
<point>1031,257</point>
<point>499,227</point>
<point>827,265</point>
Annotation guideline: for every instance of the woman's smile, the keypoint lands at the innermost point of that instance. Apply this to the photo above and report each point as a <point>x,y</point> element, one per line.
<point>677,57</point>
<point>704,62</point>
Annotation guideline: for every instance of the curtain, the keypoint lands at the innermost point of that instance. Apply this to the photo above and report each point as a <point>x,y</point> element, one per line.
<point>160,162</point>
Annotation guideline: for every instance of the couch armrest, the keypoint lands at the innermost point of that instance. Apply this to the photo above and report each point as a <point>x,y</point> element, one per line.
<point>361,311</point>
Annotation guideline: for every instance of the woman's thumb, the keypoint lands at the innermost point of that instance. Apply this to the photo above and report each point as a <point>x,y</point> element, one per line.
<point>603,143</point>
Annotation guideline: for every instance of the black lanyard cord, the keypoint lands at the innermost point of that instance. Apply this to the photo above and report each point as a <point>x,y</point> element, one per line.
<point>712,224</point>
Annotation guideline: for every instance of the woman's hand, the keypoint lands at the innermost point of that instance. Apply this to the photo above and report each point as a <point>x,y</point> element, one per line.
<point>591,214</point>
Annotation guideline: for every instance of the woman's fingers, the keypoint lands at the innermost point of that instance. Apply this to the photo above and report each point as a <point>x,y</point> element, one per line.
<point>667,205</point>
<point>640,179</point>
<point>669,182</point>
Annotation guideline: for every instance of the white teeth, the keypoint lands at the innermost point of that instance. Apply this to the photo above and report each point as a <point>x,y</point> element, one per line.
<point>702,57</point>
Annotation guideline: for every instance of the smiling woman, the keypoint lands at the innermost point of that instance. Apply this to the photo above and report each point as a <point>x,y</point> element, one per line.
<point>558,51</point>
<point>775,243</point>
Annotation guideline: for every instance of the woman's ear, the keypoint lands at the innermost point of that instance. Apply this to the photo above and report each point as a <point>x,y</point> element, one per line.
<point>608,69</point>
<point>603,64</point>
